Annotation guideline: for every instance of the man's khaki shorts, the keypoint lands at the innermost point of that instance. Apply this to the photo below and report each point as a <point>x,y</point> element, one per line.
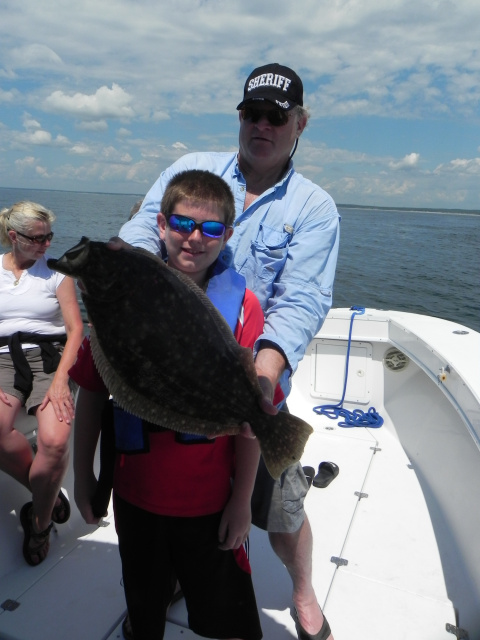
<point>277,505</point>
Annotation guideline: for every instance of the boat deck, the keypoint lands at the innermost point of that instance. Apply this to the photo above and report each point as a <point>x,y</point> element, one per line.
<point>392,533</point>
<point>77,593</point>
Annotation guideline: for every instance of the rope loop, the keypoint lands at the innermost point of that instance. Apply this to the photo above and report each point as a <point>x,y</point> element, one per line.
<point>357,417</point>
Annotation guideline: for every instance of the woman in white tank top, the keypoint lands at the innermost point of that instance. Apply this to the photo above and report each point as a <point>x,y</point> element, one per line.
<point>34,369</point>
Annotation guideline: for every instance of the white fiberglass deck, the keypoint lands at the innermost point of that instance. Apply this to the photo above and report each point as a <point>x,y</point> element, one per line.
<point>401,518</point>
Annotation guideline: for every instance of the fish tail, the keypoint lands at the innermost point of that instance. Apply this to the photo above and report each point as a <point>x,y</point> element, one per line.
<point>282,441</point>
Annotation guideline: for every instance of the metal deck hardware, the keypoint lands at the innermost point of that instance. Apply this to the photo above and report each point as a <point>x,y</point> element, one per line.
<point>361,495</point>
<point>340,562</point>
<point>460,634</point>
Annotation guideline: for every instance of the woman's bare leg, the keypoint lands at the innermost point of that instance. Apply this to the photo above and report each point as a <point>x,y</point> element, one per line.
<point>49,465</point>
<point>16,455</point>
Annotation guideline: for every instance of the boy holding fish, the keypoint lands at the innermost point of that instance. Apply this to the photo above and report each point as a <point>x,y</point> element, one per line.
<point>178,514</point>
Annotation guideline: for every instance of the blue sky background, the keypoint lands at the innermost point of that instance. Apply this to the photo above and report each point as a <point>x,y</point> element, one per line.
<point>102,95</point>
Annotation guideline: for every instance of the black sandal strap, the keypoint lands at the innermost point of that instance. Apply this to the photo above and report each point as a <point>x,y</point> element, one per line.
<point>41,535</point>
<point>323,634</point>
<point>63,507</point>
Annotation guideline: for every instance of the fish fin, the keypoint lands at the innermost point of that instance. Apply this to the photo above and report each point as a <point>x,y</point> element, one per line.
<point>282,441</point>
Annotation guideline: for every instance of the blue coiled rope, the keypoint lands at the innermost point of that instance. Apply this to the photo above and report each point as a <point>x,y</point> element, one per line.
<point>357,417</point>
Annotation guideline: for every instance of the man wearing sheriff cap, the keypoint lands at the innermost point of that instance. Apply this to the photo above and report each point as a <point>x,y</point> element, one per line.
<point>285,243</point>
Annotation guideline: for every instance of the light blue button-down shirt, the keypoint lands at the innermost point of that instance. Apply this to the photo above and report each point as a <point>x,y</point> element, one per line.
<point>285,244</point>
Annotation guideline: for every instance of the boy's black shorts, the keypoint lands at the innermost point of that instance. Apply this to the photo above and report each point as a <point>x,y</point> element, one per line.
<point>217,585</point>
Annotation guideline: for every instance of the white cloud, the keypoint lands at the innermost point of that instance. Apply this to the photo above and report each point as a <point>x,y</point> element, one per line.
<point>104,103</point>
<point>408,162</point>
<point>461,166</point>
<point>81,149</point>
<point>41,171</point>
<point>159,116</point>
<point>36,137</point>
<point>110,154</point>
<point>39,137</point>
<point>62,141</point>
<point>30,123</point>
<point>33,56</point>
<point>23,163</point>
<point>7,96</point>
<point>8,74</point>
<point>319,155</point>
<point>92,125</point>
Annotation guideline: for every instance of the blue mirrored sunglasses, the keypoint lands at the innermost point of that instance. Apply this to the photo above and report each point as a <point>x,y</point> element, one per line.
<point>209,228</point>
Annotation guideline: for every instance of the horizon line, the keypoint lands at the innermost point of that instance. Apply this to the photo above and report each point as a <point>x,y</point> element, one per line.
<point>339,205</point>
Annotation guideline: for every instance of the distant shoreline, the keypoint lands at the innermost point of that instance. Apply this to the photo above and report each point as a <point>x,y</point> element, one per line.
<point>92,193</point>
<point>474,212</point>
<point>340,206</point>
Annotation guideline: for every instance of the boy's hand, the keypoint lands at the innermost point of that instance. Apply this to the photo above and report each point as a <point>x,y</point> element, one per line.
<point>83,491</point>
<point>235,524</point>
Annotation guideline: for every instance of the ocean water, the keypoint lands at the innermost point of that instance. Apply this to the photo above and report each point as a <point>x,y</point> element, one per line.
<point>419,261</point>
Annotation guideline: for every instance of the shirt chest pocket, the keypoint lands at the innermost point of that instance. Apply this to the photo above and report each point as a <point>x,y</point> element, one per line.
<point>269,250</point>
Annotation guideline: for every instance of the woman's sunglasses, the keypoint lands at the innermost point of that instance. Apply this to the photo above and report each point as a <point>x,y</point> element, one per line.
<point>37,239</point>
<point>276,117</point>
<point>182,224</point>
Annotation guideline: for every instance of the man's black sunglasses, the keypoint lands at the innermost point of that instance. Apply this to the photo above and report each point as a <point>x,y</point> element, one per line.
<point>276,117</point>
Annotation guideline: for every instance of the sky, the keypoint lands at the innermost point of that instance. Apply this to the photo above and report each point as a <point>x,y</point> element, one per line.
<point>103,95</point>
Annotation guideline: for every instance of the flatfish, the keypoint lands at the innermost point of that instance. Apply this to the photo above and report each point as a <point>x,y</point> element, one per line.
<point>168,356</point>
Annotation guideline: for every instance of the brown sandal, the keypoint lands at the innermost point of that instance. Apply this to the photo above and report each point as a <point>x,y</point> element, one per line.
<point>61,513</point>
<point>323,634</point>
<point>41,539</point>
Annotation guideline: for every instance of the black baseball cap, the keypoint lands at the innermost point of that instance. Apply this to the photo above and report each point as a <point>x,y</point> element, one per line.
<point>274,83</point>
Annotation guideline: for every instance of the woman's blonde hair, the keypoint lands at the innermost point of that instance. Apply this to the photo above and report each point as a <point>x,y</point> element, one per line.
<point>20,216</point>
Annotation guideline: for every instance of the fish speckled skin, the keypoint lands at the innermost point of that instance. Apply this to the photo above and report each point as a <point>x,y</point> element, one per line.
<point>167,355</point>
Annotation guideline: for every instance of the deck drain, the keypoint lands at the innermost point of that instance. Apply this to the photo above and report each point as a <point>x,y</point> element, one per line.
<point>395,360</point>
<point>10,605</point>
